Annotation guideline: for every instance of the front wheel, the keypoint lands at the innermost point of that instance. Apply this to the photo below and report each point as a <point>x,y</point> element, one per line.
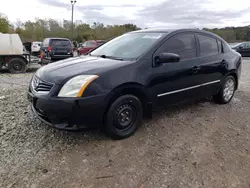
<point>123,117</point>
<point>227,91</point>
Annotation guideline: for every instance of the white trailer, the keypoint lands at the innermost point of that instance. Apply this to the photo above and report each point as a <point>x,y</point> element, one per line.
<point>12,53</point>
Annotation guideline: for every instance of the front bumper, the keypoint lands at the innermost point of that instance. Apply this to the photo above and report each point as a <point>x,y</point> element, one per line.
<point>69,113</point>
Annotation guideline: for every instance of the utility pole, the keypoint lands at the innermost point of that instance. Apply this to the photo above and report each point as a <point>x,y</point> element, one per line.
<point>73,2</point>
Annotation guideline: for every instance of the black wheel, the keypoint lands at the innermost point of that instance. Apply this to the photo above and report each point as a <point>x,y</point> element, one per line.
<point>17,65</point>
<point>123,117</point>
<point>226,92</point>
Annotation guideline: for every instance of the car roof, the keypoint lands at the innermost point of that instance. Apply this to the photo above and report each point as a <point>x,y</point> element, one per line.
<point>155,30</point>
<point>168,31</point>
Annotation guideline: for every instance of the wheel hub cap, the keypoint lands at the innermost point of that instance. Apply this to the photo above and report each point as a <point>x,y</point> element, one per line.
<point>228,89</point>
<point>17,66</point>
<point>124,116</point>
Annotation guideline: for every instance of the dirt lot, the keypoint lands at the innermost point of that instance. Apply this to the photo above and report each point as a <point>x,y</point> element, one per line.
<point>194,145</point>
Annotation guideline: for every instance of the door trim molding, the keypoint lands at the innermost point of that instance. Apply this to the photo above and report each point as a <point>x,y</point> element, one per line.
<point>188,88</point>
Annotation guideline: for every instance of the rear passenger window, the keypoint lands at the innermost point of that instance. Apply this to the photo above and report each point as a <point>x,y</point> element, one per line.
<point>208,45</point>
<point>182,44</point>
<point>220,46</point>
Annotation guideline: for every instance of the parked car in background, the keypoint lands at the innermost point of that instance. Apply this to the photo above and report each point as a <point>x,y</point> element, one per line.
<point>53,49</point>
<point>132,75</point>
<point>88,46</point>
<point>35,48</point>
<point>242,48</point>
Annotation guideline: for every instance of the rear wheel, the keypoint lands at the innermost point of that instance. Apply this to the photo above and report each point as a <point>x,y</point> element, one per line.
<point>17,65</point>
<point>227,91</point>
<point>123,117</point>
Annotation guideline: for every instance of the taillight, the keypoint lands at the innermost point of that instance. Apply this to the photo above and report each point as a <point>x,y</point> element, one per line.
<point>49,48</point>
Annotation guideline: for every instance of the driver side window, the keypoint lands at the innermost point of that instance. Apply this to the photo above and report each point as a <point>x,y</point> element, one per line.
<point>181,44</point>
<point>247,45</point>
<point>244,46</point>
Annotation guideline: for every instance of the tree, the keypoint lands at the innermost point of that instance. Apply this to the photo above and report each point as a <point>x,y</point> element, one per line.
<point>4,24</point>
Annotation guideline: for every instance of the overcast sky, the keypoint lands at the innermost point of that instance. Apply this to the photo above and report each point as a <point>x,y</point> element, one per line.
<point>144,13</point>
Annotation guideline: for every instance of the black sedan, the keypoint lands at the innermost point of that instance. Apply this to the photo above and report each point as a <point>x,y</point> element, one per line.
<point>242,48</point>
<point>123,80</point>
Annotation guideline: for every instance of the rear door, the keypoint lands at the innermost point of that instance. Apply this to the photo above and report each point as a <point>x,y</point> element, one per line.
<point>212,65</point>
<point>61,47</point>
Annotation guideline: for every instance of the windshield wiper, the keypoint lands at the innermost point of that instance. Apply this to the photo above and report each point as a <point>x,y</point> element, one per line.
<point>110,57</point>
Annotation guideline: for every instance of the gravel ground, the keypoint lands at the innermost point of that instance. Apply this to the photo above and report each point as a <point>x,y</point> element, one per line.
<point>193,145</point>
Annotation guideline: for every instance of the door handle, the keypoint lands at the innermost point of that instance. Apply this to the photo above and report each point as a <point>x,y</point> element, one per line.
<point>196,69</point>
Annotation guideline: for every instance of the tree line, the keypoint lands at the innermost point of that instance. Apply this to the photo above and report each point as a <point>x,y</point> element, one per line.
<point>232,34</point>
<point>41,28</point>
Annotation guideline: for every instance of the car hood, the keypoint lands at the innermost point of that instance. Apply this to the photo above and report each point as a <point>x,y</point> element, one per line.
<point>62,71</point>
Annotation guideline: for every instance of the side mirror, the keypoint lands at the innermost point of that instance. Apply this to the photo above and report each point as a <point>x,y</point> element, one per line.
<point>167,58</point>
<point>240,47</point>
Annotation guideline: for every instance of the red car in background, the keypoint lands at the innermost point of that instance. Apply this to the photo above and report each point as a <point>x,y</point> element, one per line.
<point>89,45</point>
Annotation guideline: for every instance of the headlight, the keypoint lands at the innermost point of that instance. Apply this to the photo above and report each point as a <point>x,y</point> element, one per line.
<point>76,86</point>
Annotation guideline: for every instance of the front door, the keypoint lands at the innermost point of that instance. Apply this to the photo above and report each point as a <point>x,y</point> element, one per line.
<point>176,82</point>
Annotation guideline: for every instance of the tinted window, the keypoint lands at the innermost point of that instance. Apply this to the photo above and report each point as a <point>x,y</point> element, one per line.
<point>208,45</point>
<point>182,44</point>
<point>246,45</point>
<point>226,47</point>
<point>58,42</point>
<point>220,46</point>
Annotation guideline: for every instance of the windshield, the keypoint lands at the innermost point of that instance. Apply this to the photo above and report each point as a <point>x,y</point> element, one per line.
<point>128,46</point>
<point>234,45</point>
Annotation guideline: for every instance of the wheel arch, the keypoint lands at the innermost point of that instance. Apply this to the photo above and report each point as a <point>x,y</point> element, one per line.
<point>7,59</point>
<point>135,89</point>
<point>235,75</point>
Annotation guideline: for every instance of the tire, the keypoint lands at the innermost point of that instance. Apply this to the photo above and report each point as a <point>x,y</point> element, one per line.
<point>17,65</point>
<point>123,117</point>
<point>226,92</point>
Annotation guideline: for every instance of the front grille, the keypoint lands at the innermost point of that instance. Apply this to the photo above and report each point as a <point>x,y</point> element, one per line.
<point>41,86</point>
